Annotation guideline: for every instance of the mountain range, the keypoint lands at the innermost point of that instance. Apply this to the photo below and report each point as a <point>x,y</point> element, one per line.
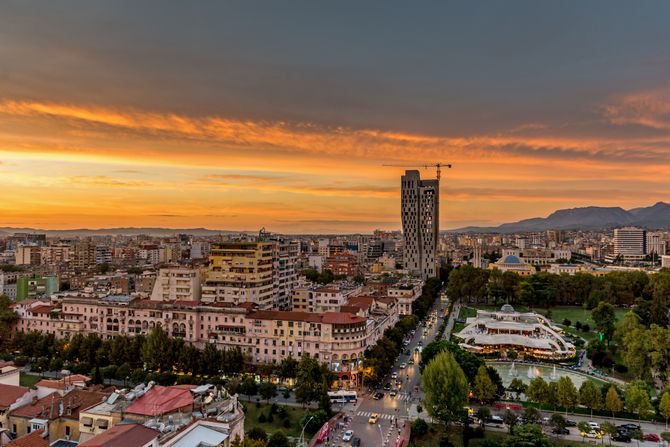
<point>655,217</point>
<point>124,231</point>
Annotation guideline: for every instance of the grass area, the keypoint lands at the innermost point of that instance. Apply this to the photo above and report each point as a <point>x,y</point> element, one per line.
<point>435,433</point>
<point>294,416</point>
<point>28,380</point>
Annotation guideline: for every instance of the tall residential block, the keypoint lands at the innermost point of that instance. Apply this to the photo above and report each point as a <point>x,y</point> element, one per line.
<point>420,212</point>
<point>630,242</point>
<point>242,272</point>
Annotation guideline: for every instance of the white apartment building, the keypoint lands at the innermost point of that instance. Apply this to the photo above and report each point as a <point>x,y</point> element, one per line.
<point>177,284</point>
<point>656,244</point>
<point>420,214</point>
<point>406,294</point>
<point>665,261</point>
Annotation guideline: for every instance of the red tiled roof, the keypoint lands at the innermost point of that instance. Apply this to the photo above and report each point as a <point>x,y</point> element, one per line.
<point>123,435</point>
<point>60,384</point>
<point>361,300</point>
<point>160,400</point>
<point>42,309</point>
<point>341,318</point>
<point>7,363</point>
<point>327,317</point>
<point>33,439</point>
<point>48,407</point>
<point>10,394</point>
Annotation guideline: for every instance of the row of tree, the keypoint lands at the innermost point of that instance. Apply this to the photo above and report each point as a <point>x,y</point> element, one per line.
<point>480,286</point>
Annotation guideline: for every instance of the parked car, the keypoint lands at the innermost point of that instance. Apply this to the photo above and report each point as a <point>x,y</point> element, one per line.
<point>629,427</point>
<point>346,437</point>
<point>373,418</point>
<point>560,431</point>
<point>621,437</point>
<point>497,420</point>
<point>570,423</point>
<point>653,437</point>
<point>594,425</point>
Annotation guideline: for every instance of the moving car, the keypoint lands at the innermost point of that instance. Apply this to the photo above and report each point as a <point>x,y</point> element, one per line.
<point>387,387</point>
<point>373,418</point>
<point>592,434</point>
<point>403,365</point>
<point>653,437</point>
<point>621,437</point>
<point>378,395</point>
<point>411,362</point>
<point>394,375</point>
<point>356,442</point>
<point>348,435</point>
<point>393,392</point>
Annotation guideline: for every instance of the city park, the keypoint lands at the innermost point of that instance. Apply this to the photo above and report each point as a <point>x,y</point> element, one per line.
<point>595,346</point>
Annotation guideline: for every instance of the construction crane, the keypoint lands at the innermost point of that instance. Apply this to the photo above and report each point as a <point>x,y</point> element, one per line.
<point>438,166</point>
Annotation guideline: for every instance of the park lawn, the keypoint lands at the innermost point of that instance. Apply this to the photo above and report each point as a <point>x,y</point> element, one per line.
<point>575,314</point>
<point>28,380</point>
<point>432,438</point>
<point>252,413</point>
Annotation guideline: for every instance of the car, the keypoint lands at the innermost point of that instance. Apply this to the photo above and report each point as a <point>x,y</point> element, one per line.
<point>621,437</point>
<point>346,437</point>
<point>356,442</point>
<point>416,349</point>
<point>570,423</point>
<point>497,420</point>
<point>594,426</point>
<point>378,395</point>
<point>521,420</point>
<point>282,389</point>
<point>393,392</point>
<point>394,375</point>
<point>592,434</point>
<point>410,362</point>
<point>629,427</point>
<point>560,431</point>
<point>545,421</point>
<point>402,365</point>
<point>653,437</point>
<point>420,343</point>
<point>374,417</point>
<point>398,381</point>
<point>387,387</point>
<point>408,352</point>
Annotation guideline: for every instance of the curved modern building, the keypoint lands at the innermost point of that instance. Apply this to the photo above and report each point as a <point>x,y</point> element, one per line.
<point>530,334</point>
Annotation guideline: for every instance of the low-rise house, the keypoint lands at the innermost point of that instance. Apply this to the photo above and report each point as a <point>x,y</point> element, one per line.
<point>125,435</point>
<point>12,397</point>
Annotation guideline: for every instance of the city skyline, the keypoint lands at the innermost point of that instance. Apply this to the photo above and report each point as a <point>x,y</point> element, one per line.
<point>238,117</point>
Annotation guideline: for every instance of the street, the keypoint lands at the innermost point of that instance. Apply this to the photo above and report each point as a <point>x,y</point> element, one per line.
<point>393,411</point>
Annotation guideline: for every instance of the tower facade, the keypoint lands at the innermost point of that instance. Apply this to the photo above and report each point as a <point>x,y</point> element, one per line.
<point>420,213</point>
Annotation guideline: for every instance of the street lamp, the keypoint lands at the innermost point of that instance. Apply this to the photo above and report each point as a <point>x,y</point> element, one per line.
<point>301,440</point>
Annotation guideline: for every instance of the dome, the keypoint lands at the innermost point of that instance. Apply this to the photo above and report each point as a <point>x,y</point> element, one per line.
<point>507,308</point>
<point>510,259</point>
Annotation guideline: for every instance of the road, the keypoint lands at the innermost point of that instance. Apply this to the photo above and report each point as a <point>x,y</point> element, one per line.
<point>393,411</point>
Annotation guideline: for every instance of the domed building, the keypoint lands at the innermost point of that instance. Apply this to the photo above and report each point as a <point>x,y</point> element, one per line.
<point>511,263</point>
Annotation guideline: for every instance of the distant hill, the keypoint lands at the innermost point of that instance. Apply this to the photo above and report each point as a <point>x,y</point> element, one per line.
<point>655,217</point>
<point>125,231</point>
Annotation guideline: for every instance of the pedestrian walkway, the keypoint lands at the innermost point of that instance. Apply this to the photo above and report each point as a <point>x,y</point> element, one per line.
<point>367,414</point>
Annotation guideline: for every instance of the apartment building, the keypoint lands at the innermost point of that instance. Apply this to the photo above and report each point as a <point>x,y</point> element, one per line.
<point>630,243</point>
<point>177,284</point>
<point>538,256</point>
<point>406,294</point>
<point>28,255</point>
<point>266,336</point>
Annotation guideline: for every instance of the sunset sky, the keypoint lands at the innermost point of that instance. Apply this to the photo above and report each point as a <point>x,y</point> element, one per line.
<point>243,114</point>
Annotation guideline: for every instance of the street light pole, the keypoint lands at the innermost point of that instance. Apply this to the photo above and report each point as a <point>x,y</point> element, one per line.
<point>301,440</point>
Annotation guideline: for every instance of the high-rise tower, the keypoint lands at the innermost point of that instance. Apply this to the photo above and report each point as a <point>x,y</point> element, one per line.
<point>420,212</point>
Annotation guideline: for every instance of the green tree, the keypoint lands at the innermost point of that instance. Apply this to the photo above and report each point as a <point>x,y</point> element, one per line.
<point>445,388</point>
<point>568,397</point>
<point>538,390</point>
<point>258,434</point>
<point>267,390</point>
<point>637,399</point>
<point>419,428</point>
<point>608,429</point>
<point>287,368</point>
<point>527,435</point>
<point>613,402</point>
<point>248,387</point>
<point>605,319</point>
<point>484,388</point>
<point>589,396</point>
<point>664,407</point>
<point>532,415</point>
<point>7,319</point>
<point>517,387</point>
<point>583,428</point>
<point>510,419</point>
<point>557,420</point>
<point>278,439</point>
<point>154,350</point>
<point>484,413</point>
